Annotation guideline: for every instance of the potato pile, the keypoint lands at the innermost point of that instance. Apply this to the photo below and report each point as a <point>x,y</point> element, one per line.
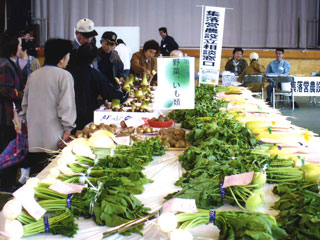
<point>173,137</point>
<point>88,131</point>
<point>143,129</point>
<point>161,118</point>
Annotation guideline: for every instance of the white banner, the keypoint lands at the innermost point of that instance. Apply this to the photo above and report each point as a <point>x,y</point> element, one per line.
<point>306,86</point>
<point>211,44</point>
<point>175,83</point>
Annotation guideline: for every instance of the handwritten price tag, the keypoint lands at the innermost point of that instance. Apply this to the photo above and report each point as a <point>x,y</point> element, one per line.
<point>29,203</point>
<point>122,140</point>
<point>180,205</point>
<point>134,122</point>
<point>66,188</point>
<point>238,179</point>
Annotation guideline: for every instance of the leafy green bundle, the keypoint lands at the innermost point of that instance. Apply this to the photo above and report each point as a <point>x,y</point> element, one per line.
<point>299,209</point>
<point>235,225</point>
<point>205,106</point>
<point>116,206</point>
<point>62,223</point>
<point>208,192</point>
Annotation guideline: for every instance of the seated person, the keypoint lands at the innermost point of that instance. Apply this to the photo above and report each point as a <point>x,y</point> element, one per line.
<point>237,64</point>
<point>145,61</point>
<point>255,68</point>
<point>89,83</point>
<point>277,67</point>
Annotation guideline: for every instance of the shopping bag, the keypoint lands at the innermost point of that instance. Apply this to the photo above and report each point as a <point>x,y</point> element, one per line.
<point>15,152</point>
<point>17,149</point>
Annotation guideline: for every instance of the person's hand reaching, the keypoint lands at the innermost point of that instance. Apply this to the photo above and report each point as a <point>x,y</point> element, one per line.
<point>64,140</point>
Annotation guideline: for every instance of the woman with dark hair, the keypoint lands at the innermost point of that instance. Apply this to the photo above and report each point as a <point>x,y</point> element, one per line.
<point>48,104</point>
<point>25,63</point>
<point>11,90</point>
<point>89,84</point>
<point>145,61</point>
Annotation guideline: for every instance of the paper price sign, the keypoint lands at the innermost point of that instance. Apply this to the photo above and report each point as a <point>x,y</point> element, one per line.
<point>28,202</point>
<point>242,179</point>
<point>180,205</point>
<point>66,188</point>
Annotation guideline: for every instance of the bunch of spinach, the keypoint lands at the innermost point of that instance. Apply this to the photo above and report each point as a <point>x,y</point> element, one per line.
<point>299,209</point>
<point>113,179</point>
<point>116,206</point>
<point>235,225</point>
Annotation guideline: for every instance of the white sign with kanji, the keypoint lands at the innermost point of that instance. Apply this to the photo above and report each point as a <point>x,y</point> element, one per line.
<point>211,44</point>
<point>175,83</point>
<point>306,86</point>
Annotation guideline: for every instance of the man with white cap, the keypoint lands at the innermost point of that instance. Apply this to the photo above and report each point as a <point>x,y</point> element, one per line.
<point>255,68</point>
<point>84,32</point>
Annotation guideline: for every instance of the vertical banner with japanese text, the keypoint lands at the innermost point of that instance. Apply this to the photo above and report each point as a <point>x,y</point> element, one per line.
<point>175,83</point>
<point>211,44</point>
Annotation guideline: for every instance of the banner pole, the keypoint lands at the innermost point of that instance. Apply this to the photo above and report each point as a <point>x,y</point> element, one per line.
<point>200,59</point>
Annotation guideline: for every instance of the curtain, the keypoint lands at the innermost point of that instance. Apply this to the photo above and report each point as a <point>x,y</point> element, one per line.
<point>248,23</point>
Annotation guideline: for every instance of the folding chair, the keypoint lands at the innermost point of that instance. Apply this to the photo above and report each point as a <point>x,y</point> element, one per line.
<point>285,92</point>
<point>255,79</point>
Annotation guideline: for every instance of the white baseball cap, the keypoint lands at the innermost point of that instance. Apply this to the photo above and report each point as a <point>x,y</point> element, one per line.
<point>85,26</point>
<point>254,55</point>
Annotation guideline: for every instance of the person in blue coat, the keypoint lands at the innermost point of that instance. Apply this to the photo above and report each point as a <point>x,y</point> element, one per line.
<point>277,67</point>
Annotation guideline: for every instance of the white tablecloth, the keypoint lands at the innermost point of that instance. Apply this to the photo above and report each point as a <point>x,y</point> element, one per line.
<point>164,171</point>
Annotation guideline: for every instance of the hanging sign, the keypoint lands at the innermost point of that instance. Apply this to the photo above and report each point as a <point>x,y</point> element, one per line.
<point>211,44</point>
<point>175,83</point>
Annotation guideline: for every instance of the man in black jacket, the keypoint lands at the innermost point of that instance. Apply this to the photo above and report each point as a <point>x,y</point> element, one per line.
<point>108,61</point>
<point>89,83</point>
<point>167,43</point>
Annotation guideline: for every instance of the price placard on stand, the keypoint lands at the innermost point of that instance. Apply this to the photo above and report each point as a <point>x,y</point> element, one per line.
<point>175,83</point>
<point>211,44</point>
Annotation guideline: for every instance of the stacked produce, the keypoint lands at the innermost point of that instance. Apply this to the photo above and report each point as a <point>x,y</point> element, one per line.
<point>109,177</point>
<point>140,96</point>
<point>230,135</point>
<point>225,143</point>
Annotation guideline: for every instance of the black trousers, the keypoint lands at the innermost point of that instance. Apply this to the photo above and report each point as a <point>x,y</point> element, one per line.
<point>7,133</point>
<point>35,160</point>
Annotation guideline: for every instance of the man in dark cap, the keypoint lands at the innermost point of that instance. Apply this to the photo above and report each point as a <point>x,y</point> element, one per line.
<point>108,60</point>
<point>84,32</point>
